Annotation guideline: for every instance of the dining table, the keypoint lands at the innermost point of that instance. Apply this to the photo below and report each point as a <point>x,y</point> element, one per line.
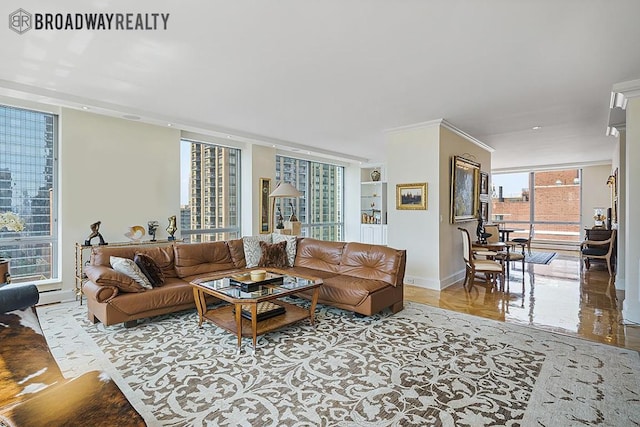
<point>495,247</point>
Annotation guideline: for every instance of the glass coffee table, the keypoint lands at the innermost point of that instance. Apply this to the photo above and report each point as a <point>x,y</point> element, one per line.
<point>258,311</point>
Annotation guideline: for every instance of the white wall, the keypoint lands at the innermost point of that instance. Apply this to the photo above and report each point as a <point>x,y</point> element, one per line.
<point>412,156</point>
<point>120,172</point>
<point>595,193</point>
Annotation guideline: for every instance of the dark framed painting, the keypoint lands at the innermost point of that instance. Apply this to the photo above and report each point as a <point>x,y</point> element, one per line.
<point>484,183</point>
<point>411,196</point>
<point>265,213</point>
<point>465,200</point>
<point>484,211</point>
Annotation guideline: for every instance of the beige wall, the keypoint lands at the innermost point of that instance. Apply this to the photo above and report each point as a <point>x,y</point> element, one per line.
<point>450,248</point>
<point>434,246</point>
<point>120,172</point>
<point>595,193</point>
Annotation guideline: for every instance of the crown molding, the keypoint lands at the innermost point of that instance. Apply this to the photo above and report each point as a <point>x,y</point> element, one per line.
<point>445,124</point>
<point>556,166</point>
<point>630,89</point>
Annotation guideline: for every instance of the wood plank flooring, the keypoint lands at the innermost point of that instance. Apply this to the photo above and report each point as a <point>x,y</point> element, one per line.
<point>558,297</point>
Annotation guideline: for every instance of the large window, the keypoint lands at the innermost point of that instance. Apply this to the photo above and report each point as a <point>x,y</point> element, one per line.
<point>210,192</point>
<point>320,208</point>
<point>550,200</point>
<point>28,189</point>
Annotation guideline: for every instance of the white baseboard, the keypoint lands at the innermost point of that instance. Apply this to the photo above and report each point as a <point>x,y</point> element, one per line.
<point>52,297</point>
<point>434,284</point>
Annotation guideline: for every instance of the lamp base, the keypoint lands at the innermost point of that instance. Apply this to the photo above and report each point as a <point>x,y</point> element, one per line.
<point>294,226</point>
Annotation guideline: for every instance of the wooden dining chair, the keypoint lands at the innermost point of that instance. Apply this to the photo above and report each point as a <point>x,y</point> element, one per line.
<point>507,256</point>
<point>491,269</point>
<point>598,249</point>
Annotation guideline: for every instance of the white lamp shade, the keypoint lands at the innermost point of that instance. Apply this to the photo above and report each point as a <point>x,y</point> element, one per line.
<point>284,189</point>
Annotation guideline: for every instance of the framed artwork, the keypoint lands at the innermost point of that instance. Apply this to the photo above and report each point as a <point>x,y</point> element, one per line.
<point>484,183</point>
<point>411,196</point>
<point>265,217</point>
<point>484,211</point>
<point>465,201</point>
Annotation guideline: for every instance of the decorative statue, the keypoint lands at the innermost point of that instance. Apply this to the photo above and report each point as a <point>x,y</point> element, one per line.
<point>279,218</point>
<point>95,233</point>
<point>293,216</point>
<point>480,233</point>
<point>172,227</point>
<point>152,226</point>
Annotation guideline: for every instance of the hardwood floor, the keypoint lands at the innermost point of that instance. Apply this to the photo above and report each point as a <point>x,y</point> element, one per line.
<point>555,297</point>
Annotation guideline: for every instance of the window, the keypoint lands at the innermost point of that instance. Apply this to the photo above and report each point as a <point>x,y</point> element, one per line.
<point>209,192</point>
<point>550,200</point>
<point>28,182</point>
<point>320,208</point>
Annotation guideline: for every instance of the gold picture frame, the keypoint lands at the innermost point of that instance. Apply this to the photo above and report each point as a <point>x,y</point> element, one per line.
<point>411,196</point>
<point>465,189</point>
<point>265,212</point>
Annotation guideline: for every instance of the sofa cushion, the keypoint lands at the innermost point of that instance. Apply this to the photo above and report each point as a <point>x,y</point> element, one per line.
<point>202,258</point>
<point>162,255</point>
<point>273,255</point>
<point>252,251</point>
<point>107,276</point>
<point>149,268</point>
<point>349,290</point>
<point>128,266</point>
<point>370,262</point>
<point>236,249</point>
<point>291,246</point>
<point>174,292</point>
<point>319,254</point>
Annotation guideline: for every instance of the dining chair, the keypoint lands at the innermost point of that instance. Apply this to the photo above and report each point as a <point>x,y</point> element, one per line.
<point>491,269</point>
<point>598,249</point>
<point>524,242</point>
<point>507,256</point>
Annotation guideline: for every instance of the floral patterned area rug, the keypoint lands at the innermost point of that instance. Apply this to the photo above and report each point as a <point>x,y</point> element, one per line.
<point>422,366</point>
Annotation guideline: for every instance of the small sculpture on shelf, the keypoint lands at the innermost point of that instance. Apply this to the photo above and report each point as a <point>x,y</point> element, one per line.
<point>375,175</point>
<point>152,227</point>
<point>135,233</point>
<point>172,227</point>
<point>95,227</point>
<point>279,219</point>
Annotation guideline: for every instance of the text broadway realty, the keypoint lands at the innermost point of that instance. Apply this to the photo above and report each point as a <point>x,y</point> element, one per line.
<point>100,21</point>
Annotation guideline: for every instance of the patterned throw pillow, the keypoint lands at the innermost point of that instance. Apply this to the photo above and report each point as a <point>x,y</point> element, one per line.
<point>128,266</point>
<point>252,250</point>
<point>274,255</point>
<point>292,242</point>
<point>149,268</point>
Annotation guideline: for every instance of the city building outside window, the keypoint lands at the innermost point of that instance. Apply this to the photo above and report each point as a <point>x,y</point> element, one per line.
<point>320,208</point>
<point>548,199</point>
<point>28,187</point>
<point>209,192</point>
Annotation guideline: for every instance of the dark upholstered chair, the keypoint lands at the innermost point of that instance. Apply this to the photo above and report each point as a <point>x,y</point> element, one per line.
<point>598,249</point>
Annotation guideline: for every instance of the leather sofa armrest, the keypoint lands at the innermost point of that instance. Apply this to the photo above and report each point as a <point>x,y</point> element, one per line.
<point>18,297</point>
<point>107,276</point>
<point>100,293</point>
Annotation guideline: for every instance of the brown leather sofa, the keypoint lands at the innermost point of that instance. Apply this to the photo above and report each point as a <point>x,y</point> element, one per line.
<point>33,391</point>
<point>357,277</point>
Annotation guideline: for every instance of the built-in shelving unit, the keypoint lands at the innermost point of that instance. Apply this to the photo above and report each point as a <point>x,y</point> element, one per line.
<point>373,207</point>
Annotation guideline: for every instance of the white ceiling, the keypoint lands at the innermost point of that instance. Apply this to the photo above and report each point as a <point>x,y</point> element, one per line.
<point>335,74</point>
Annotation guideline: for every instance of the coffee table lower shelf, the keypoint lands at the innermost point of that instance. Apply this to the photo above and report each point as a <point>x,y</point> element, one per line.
<point>225,318</point>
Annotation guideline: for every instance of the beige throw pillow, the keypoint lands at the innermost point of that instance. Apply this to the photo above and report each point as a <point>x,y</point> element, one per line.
<point>128,266</point>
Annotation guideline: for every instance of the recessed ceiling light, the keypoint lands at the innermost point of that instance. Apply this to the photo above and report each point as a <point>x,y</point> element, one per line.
<point>169,124</point>
<point>131,117</point>
<point>84,107</point>
<point>536,127</point>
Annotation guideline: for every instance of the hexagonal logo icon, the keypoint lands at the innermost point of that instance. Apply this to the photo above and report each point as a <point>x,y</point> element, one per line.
<point>20,21</point>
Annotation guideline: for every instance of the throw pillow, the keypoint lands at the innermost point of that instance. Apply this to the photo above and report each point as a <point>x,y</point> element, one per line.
<point>149,268</point>
<point>128,266</point>
<point>292,242</point>
<point>252,250</point>
<point>273,255</point>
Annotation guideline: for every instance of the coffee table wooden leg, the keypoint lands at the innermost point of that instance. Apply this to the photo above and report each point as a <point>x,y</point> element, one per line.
<point>254,324</point>
<point>314,301</point>
<point>201,304</point>
<point>239,325</point>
